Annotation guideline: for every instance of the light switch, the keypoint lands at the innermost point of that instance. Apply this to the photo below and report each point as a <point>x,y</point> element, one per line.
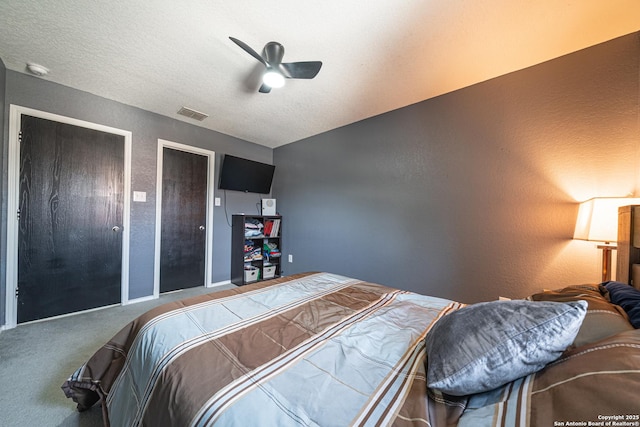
<point>216,201</point>
<point>139,196</point>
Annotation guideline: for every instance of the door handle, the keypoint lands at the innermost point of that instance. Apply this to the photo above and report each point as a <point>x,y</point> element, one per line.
<point>115,229</point>
<point>201,228</point>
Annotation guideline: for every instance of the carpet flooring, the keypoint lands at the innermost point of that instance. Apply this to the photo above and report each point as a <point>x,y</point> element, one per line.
<point>36,358</point>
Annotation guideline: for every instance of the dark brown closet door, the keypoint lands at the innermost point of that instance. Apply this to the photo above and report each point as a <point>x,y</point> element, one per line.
<point>71,210</point>
<point>184,212</point>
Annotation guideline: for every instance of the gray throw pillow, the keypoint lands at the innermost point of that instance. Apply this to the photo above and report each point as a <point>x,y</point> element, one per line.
<point>486,345</point>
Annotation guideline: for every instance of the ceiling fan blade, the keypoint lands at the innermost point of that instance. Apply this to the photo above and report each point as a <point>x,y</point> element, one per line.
<point>264,88</point>
<point>248,49</point>
<point>301,70</point>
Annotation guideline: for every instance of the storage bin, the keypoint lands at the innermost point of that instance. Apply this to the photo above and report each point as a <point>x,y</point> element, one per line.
<point>251,274</point>
<point>270,272</point>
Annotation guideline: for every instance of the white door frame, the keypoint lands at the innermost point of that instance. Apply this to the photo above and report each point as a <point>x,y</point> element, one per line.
<point>211,162</point>
<point>15,117</point>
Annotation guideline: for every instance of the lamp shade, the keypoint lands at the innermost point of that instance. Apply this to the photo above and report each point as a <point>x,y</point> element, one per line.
<point>598,218</point>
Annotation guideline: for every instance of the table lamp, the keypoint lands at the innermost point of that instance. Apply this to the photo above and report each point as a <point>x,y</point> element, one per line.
<point>598,222</point>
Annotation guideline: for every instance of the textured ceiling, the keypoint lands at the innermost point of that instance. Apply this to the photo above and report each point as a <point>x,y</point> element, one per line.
<point>377,55</point>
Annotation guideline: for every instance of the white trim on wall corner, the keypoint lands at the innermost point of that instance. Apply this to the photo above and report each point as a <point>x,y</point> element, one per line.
<point>15,113</point>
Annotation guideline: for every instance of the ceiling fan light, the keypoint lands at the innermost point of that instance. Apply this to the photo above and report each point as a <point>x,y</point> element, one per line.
<point>273,79</point>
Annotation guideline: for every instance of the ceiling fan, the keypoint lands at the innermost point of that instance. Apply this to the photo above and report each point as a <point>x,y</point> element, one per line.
<point>276,70</point>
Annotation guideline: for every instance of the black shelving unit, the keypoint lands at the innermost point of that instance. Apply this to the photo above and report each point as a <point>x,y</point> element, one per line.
<point>255,249</point>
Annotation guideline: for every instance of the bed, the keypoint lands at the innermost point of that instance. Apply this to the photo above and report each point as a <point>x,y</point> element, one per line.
<point>320,349</point>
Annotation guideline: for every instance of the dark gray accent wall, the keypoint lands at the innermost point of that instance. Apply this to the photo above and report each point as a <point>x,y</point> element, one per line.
<point>472,194</point>
<point>146,128</point>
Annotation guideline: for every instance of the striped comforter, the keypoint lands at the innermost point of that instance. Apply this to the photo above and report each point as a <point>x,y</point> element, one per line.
<point>320,349</point>
<point>317,349</point>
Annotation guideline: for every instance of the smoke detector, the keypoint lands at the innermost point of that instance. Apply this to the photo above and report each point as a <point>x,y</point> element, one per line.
<point>37,69</point>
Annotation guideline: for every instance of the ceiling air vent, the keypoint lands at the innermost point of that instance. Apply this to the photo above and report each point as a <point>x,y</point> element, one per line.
<point>192,114</point>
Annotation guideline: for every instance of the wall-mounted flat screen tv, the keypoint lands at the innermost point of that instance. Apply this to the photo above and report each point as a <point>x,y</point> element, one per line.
<point>240,174</point>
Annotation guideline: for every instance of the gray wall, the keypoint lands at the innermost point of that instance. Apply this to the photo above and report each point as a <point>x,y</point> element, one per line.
<point>146,128</point>
<point>472,194</point>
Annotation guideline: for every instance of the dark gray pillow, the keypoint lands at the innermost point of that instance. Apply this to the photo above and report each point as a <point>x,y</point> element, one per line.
<point>486,345</point>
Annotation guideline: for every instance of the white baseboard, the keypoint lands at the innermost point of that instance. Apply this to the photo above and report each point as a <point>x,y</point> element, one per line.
<point>215,285</point>
<point>131,301</point>
<point>141,299</point>
<point>60,316</point>
<point>151,297</point>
